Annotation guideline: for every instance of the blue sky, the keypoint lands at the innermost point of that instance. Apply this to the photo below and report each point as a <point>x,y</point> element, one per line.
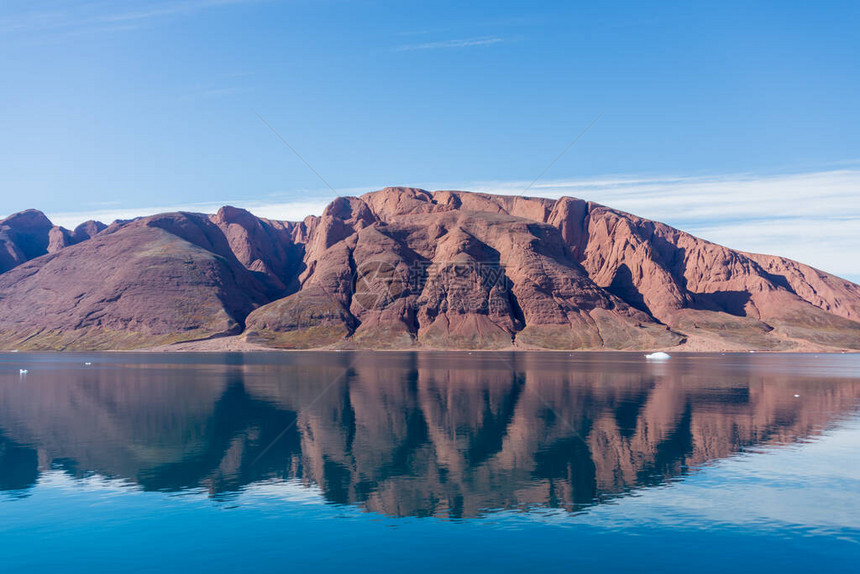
<point>117,107</point>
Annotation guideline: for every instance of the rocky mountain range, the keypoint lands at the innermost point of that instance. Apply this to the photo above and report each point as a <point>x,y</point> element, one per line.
<point>408,268</point>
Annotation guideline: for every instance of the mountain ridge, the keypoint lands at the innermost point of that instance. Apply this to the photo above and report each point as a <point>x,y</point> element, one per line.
<point>409,268</point>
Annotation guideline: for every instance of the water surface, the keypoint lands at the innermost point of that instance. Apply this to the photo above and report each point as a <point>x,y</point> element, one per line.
<point>472,461</point>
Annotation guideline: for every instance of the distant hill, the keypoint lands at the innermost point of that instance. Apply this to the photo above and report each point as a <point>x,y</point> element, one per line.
<point>408,268</point>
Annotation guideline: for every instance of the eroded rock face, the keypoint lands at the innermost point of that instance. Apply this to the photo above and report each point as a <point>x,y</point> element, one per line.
<point>410,269</point>
<point>58,237</point>
<point>719,297</point>
<point>468,270</point>
<point>262,246</point>
<point>405,267</point>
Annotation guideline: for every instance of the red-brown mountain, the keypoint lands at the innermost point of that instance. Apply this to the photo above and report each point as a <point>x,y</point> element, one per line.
<point>404,267</point>
<point>29,234</point>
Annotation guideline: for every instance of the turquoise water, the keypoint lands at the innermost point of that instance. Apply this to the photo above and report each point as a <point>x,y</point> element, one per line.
<point>362,462</point>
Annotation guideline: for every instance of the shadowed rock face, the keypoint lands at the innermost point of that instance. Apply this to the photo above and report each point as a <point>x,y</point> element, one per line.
<point>411,434</point>
<point>405,267</point>
<point>23,236</point>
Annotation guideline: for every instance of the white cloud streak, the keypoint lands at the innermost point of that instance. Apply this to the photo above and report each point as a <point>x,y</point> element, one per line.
<point>810,217</point>
<point>452,44</point>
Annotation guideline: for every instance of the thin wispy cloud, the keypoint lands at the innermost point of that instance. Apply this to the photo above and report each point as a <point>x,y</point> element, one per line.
<point>810,217</point>
<point>208,93</point>
<point>452,44</point>
<point>97,16</point>
<point>171,8</point>
<point>220,86</point>
<point>709,198</point>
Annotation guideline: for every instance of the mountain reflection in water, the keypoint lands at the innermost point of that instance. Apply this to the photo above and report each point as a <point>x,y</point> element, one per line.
<point>407,434</point>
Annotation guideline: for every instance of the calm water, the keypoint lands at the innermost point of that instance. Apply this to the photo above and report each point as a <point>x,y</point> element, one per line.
<point>362,462</point>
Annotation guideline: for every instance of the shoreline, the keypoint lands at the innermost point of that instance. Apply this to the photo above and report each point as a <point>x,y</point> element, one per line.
<point>238,343</point>
<point>322,350</point>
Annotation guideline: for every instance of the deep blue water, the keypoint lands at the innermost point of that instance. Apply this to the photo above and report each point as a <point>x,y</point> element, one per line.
<point>365,462</point>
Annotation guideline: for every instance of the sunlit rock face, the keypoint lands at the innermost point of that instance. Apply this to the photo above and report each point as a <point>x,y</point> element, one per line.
<point>409,434</point>
<point>408,268</point>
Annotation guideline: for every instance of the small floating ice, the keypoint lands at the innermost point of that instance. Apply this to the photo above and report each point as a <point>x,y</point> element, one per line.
<point>796,396</point>
<point>658,356</point>
<point>23,371</point>
<point>87,364</point>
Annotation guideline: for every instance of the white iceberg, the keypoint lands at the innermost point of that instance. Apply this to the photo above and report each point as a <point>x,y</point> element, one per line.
<point>23,371</point>
<point>658,356</point>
